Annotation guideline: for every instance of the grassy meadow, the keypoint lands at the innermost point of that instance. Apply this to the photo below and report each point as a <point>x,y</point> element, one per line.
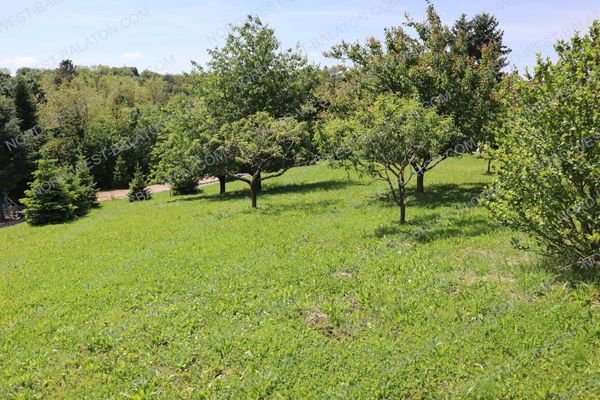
<point>318,294</point>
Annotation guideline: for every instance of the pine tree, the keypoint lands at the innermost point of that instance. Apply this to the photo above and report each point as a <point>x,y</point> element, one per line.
<point>25,105</point>
<point>120,173</point>
<point>138,190</point>
<point>50,199</point>
<point>84,188</point>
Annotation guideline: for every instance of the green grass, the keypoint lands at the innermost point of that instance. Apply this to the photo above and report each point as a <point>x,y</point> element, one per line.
<point>318,294</point>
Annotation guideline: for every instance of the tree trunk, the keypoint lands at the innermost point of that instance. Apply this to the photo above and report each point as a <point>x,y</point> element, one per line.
<point>2,201</point>
<point>259,183</point>
<point>421,181</point>
<point>253,194</point>
<point>401,198</point>
<point>255,188</point>
<point>489,171</point>
<point>223,182</point>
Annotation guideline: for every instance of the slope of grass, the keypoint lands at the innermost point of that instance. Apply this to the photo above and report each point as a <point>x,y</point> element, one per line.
<point>318,294</point>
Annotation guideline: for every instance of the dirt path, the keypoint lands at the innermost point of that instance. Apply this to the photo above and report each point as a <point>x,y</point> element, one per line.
<point>122,194</point>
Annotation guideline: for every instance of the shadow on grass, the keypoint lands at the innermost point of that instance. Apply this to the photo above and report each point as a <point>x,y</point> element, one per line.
<point>571,275</point>
<point>441,195</point>
<point>427,229</point>
<point>271,190</point>
<point>314,208</point>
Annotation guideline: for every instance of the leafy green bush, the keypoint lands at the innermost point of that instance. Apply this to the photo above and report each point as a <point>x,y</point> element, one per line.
<point>50,199</point>
<point>548,182</point>
<point>138,190</point>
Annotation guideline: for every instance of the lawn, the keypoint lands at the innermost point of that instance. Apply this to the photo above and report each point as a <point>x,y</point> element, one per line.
<point>318,294</point>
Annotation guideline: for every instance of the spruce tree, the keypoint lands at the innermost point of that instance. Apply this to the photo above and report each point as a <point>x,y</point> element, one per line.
<point>84,188</point>
<point>184,184</point>
<point>138,190</point>
<point>25,104</point>
<point>50,199</point>
<point>120,173</point>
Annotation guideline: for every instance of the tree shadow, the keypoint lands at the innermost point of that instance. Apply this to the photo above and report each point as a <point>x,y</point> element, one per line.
<point>269,190</point>
<point>437,195</point>
<point>312,208</point>
<point>433,227</point>
<point>449,194</point>
<point>572,275</point>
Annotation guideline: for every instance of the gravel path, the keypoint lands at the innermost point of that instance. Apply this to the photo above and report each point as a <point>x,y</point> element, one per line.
<point>122,194</point>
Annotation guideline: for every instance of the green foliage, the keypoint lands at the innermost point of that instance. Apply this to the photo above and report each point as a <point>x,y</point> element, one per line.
<point>51,198</point>
<point>315,295</point>
<point>251,74</point>
<point>184,144</point>
<point>121,175</point>
<point>25,104</point>
<point>435,67</point>
<point>138,190</point>
<point>548,182</point>
<point>482,34</point>
<point>14,163</point>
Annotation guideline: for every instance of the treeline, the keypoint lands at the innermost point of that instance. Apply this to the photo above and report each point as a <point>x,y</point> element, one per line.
<point>392,108</point>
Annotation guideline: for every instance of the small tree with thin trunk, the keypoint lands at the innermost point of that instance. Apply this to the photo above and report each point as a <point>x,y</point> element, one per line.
<point>385,140</point>
<point>138,190</point>
<point>266,148</point>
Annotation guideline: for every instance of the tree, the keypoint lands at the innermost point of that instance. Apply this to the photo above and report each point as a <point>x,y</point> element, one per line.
<point>548,182</point>
<point>14,163</point>
<point>385,140</point>
<point>120,173</point>
<point>50,199</point>
<point>435,67</point>
<point>25,105</point>
<point>482,33</point>
<point>252,74</point>
<point>249,75</point>
<point>138,190</point>
<point>184,149</point>
<point>84,189</point>
<point>65,72</point>
<point>265,145</point>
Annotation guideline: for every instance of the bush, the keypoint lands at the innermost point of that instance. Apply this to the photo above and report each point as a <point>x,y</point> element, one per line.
<point>548,182</point>
<point>138,190</point>
<point>50,199</point>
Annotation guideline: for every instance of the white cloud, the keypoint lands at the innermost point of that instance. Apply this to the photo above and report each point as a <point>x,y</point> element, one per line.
<point>18,62</point>
<point>132,56</point>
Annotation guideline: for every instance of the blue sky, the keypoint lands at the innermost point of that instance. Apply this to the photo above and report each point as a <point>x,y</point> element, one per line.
<point>165,35</point>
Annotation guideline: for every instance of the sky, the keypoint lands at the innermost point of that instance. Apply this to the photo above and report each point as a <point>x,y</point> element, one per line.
<point>165,36</point>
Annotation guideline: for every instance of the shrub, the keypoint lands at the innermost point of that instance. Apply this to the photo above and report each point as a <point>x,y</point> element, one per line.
<point>138,190</point>
<point>548,182</point>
